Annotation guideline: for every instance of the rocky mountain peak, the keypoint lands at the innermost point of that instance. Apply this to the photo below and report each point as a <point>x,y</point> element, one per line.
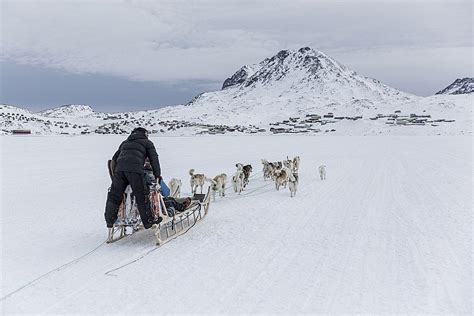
<point>304,61</point>
<point>238,77</point>
<point>459,86</point>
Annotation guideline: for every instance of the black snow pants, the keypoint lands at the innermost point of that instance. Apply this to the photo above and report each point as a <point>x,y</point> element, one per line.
<point>140,190</point>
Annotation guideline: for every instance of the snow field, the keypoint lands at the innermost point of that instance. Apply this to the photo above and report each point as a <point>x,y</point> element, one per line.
<point>389,231</point>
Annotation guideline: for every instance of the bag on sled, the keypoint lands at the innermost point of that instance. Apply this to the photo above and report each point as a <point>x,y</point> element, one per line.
<point>165,190</point>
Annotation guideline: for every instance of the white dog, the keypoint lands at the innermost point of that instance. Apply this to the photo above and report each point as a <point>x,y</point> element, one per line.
<point>238,179</point>
<point>175,188</point>
<point>197,180</point>
<point>322,172</point>
<point>218,185</point>
<point>293,183</point>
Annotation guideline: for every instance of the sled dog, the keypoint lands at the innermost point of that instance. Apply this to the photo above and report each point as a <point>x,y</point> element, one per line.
<point>296,164</point>
<point>238,179</point>
<point>293,183</point>
<point>322,172</point>
<point>281,177</point>
<point>275,167</point>
<point>289,164</point>
<point>197,180</point>
<point>218,185</point>
<point>267,169</point>
<point>247,169</point>
<point>175,188</point>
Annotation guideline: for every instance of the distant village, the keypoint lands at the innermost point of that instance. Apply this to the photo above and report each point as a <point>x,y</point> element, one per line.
<point>123,123</point>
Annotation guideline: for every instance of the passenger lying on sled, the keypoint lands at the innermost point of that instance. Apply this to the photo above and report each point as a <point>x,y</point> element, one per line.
<point>173,205</point>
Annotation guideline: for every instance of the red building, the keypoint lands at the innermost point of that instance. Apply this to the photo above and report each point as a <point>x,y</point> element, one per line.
<point>21,132</point>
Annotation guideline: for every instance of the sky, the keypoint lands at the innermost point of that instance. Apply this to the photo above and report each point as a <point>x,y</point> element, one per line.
<point>118,55</point>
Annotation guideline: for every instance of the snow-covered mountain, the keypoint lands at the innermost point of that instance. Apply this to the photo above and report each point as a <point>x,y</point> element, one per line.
<point>292,72</point>
<point>69,111</point>
<point>459,86</point>
<point>290,83</point>
<point>296,83</point>
<point>294,91</point>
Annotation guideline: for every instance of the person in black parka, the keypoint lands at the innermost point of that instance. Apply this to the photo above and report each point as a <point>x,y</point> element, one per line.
<point>129,160</point>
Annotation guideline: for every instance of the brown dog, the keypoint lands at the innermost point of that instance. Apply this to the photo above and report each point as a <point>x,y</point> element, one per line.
<point>197,180</point>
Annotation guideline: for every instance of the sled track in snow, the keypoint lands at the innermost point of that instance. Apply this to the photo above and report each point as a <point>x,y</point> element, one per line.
<point>109,272</point>
<point>140,257</point>
<point>64,266</point>
<point>78,259</point>
<point>250,193</point>
<point>390,225</point>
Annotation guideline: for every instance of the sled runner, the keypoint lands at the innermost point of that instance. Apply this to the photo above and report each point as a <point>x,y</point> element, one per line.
<point>173,224</point>
<point>180,222</point>
<point>128,220</point>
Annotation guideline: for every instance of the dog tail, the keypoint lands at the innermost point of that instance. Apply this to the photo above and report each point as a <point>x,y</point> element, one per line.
<point>191,172</point>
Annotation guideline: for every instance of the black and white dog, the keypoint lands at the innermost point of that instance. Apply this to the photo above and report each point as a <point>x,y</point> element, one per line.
<point>247,169</point>
<point>270,169</point>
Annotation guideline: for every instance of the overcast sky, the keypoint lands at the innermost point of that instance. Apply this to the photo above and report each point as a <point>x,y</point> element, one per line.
<point>125,55</point>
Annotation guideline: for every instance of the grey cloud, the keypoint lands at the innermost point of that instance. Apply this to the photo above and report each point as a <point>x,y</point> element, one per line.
<point>172,41</point>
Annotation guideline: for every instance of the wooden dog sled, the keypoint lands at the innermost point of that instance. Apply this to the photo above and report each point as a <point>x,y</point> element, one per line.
<point>172,225</point>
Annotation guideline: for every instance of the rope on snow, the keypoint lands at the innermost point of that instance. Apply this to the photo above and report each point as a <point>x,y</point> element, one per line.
<point>70,263</point>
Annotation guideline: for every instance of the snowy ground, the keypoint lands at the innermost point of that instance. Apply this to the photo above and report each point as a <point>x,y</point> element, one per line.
<point>389,231</point>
